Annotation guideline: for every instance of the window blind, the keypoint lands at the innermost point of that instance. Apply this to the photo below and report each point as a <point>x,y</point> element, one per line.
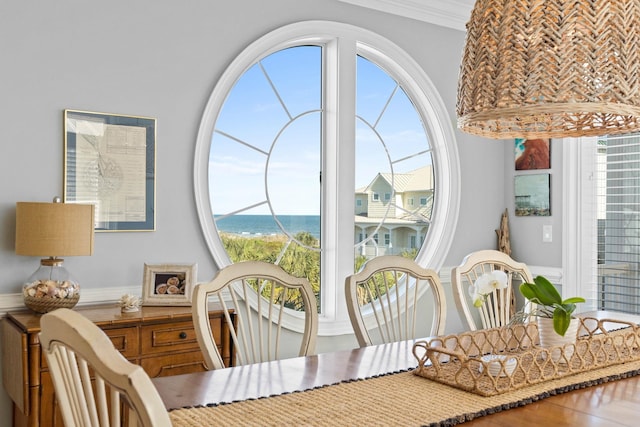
<point>618,216</point>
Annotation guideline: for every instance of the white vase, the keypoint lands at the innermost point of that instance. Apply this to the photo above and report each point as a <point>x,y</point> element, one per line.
<point>550,339</point>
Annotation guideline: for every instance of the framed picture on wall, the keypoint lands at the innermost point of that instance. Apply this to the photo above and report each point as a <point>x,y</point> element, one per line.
<point>168,284</point>
<point>532,193</point>
<point>109,161</point>
<point>532,154</point>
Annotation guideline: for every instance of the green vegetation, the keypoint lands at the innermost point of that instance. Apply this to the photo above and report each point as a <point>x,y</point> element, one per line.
<point>295,259</point>
<point>380,283</point>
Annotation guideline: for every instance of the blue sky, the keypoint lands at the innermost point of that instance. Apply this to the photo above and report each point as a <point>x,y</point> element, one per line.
<point>255,122</point>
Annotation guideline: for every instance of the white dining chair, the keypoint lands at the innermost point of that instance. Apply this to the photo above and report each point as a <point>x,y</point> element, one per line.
<point>254,296</point>
<point>500,307</point>
<point>94,384</point>
<point>387,298</point>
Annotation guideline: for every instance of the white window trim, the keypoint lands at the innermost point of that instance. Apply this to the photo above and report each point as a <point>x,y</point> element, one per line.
<point>334,319</point>
<point>579,222</point>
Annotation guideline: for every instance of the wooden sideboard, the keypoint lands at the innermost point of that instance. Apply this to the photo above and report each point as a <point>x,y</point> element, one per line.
<point>160,339</point>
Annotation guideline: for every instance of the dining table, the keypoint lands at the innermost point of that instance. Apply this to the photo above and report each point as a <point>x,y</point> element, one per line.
<point>377,385</point>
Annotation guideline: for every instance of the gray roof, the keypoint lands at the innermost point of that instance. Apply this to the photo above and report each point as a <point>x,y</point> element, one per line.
<point>417,180</point>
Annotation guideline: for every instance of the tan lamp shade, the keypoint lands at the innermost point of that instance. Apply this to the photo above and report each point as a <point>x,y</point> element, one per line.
<point>54,229</point>
<point>550,68</point>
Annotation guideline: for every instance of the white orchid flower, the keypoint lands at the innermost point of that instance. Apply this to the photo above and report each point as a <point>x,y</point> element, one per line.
<point>489,282</point>
<point>478,300</point>
<point>486,284</point>
<point>475,295</point>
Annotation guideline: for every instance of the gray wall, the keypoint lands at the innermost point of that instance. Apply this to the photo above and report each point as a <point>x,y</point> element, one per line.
<point>526,231</point>
<point>162,60</point>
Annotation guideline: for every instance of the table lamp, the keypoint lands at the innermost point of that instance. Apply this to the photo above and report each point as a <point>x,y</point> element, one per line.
<point>52,230</point>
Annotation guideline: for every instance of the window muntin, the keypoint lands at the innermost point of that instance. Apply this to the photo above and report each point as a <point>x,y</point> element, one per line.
<point>335,238</point>
<point>393,157</point>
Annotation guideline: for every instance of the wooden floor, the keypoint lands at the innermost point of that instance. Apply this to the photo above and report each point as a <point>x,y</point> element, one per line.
<point>613,404</point>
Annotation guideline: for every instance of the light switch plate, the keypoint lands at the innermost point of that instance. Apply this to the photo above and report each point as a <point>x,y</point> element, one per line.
<point>547,233</point>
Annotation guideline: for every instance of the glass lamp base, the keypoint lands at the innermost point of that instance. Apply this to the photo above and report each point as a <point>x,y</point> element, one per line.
<point>50,287</point>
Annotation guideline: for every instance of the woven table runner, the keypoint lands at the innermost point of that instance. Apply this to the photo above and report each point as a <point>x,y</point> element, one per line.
<point>394,399</point>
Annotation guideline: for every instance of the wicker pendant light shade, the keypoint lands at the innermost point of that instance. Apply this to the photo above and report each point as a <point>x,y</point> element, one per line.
<point>544,69</point>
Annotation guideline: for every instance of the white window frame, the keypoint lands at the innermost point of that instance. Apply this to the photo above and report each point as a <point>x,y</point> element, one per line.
<point>579,221</point>
<point>429,104</point>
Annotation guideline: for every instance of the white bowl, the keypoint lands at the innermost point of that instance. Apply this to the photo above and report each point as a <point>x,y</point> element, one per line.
<point>494,366</point>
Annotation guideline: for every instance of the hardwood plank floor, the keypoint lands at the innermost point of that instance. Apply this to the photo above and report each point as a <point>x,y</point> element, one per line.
<point>616,403</point>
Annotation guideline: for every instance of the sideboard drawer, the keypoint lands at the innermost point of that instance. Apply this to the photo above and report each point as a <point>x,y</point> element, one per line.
<point>175,337</point>
<point>173,364</point>
<point>124,340</point>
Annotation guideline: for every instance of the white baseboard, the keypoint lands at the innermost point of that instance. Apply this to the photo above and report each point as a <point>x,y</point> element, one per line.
<point>554,274</point>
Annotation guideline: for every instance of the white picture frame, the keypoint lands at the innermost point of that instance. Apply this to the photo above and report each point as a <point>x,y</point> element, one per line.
<point>168,284</point>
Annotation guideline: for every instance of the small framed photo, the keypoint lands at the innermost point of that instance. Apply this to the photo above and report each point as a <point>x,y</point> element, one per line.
<point>532,154</point>
<point>168,284</point>
<point>532,194</point>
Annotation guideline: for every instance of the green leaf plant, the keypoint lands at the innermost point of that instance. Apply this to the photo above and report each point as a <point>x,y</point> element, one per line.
<point>550,303</point>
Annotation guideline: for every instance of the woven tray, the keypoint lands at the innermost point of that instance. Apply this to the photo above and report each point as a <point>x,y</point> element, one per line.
<point>455,360</point>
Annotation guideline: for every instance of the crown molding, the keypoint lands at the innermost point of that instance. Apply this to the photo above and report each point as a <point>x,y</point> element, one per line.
<point>447,13</point>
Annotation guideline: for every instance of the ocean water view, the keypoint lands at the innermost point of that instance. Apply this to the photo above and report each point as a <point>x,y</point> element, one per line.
<point>265,225</point>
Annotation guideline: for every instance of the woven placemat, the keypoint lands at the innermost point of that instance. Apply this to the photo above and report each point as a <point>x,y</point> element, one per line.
<point>394,399</point>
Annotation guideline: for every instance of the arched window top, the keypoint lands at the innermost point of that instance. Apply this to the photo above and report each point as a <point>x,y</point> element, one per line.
<point>310,76</point>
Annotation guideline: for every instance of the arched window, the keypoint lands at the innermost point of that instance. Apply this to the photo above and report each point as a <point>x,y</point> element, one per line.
<point>314,144</point>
